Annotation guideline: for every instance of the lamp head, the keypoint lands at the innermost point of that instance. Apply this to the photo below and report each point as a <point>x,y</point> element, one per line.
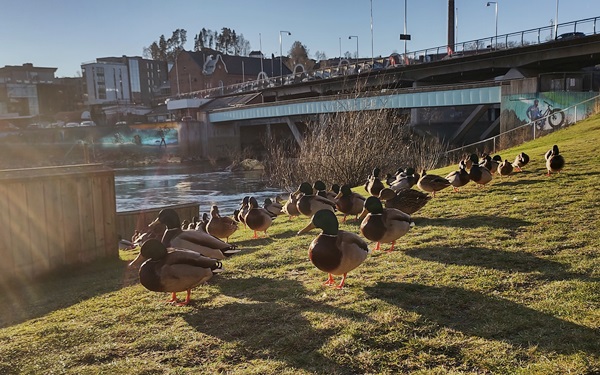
<point>488,4</point>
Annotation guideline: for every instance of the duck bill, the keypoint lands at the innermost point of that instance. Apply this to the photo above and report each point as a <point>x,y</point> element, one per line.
<point>154,223</point>
<point>338,195</point>
<point>137,261</point>
<point>363,214</point>
<point>307,228</point>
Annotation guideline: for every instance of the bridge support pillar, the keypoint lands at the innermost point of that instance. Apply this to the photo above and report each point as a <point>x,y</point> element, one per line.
<point>295,131</point>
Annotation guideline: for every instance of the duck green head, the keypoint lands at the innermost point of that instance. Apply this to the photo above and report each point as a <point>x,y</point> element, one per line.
<point>153,249</point>
<point>268,201</point>
<point>497,158</point>
<point>253,203</point>
<point>306,188</point>
<point>373,205</point>
<point>245,201</point>
<point>474,158</point>
<point>319,185</point>
<point>410,171</point>
<point>327,221</point>
<point>345,190</point>
<point>376,172</point>
<point>555,150</point>
<point>168,217</point>
<point>335,188</point>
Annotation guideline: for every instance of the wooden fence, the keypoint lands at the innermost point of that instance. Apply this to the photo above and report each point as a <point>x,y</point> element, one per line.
<point>55,216</point>
<point>130,221</point>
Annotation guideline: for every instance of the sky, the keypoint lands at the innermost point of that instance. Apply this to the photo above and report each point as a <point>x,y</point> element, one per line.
<point>63,34</point>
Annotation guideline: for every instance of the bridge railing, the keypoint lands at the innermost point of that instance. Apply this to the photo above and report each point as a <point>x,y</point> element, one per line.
<point>523,38</point>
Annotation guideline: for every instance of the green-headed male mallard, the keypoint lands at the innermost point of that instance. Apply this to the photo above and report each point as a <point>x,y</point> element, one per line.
<point>460,177</point>
<point>554,160</point>
<point>405,180</point>
<point>374,185</point>
<point>258,219</point>
<point>335,251</point>
<point>431,183</point>
<point>384,224</point>
<point>173,270</point>
<point>479,174</point>
<point>521,160</point>
<point>244,207</point>
<point>220,227</point>
<point>194,240</point>
<point>349,202</point>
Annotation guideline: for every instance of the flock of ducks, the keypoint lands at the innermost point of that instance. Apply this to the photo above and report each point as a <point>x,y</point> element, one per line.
<point>188,254</point>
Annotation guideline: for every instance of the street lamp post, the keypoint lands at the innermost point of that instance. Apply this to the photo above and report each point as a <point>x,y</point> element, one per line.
<point>355,36</point>
<point>556,22</point>
<point>281,54</point>
<point>340,40</point>
<point>177,72</point>
<point>372,54</point>
<point>496,6</point>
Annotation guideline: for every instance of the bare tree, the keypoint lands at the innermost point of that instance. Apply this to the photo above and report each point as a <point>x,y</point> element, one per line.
<point>344,148</point>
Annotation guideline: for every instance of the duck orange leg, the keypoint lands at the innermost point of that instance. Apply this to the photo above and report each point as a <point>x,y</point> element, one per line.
<point>255,235</point>
<point>187,299</point>
<point>173,298</point>
<point>378,246</point>
<point>330,280</point>
<point>341,286</point>
<point>392,247</point>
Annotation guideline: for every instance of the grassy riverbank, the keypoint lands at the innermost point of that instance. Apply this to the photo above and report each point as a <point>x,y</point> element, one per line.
<point>503,279</point>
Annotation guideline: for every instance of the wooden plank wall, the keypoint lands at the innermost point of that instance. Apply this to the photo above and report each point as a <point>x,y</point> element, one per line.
<point>130,221</point>
<point>55,216</point>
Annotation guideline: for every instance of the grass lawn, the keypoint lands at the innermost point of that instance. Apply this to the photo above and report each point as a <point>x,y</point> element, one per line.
<point>499,280</point>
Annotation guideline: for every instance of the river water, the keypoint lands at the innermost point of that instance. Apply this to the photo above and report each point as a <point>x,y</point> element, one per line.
<point>164,185</point>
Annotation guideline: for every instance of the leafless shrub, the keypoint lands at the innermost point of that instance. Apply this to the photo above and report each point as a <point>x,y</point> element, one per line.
<point>344,148</point>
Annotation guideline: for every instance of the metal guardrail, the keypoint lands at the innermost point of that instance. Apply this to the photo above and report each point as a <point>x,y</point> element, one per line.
<point>365,66</point>
<point>570,116</point>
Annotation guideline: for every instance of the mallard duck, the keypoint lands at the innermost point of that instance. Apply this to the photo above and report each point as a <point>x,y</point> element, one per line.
<point>335,251</point>
<point>273,208</point>
<point>195,240</point>
<point>244,207</point>
<point>374,185</point>
<point>470,160</point>
<point>479,174</point>
<point>384,224</point>
<point>309,203</point>
<point>173,270</point>
<point>258,219</point>
<point>490,163</point>
<point>505,168</point>
<point>405,180</point>
<point>408,201</point>
<point>554,160</point>
<point>521,160</point>
<point>431,183</point>
<point>335,189</point>
<point>349,202</point>
<point>290,207</point>
<point>460,177</point>
<point>220,227</point>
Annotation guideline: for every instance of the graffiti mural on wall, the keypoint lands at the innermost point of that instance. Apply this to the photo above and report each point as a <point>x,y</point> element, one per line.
<point>142,135</point>
<point>549,110</point>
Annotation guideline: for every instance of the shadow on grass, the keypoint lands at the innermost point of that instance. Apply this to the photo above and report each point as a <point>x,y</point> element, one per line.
<point>499,260</point>
<point>272,326</point>
<point>477,221</point>
<point>490,318</point>
<point>26,300</point>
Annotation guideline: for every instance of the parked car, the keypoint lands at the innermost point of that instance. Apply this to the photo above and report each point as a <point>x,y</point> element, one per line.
<point>87,123</point>
<point>72,125</point>
<point>571,35</point>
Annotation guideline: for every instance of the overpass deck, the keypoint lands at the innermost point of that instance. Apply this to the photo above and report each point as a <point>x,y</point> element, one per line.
<point>433,96</point>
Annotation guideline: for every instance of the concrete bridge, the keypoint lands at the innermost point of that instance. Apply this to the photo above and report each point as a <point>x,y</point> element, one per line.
<point>460,98</point>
